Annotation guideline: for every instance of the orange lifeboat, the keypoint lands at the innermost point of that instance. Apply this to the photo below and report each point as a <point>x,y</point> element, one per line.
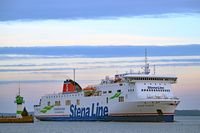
<point>89,88</point>
<point>89,91</point>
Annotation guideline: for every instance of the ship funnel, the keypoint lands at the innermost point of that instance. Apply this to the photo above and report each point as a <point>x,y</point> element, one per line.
<point>71,86</point>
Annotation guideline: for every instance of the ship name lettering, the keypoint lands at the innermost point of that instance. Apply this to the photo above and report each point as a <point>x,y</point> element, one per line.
<point>93,111</point>
<point>155,87</point>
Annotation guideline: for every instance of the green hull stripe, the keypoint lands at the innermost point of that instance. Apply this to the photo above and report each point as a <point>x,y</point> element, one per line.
<point>117,94</point>
<point>47,108</point>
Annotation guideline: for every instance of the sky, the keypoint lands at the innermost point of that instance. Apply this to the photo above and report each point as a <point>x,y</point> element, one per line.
<point>44,74</point>
<point>42,70</point>
<point>105,22</point>
<point>43,23</point>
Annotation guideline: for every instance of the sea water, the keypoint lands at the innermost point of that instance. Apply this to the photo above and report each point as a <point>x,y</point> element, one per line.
<point>182,124</point>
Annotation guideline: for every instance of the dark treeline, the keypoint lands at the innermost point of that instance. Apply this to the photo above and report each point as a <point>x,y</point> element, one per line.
<point>187,112</point>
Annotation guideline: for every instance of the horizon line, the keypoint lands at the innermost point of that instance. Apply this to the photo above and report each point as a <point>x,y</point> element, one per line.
<point>100,45</point>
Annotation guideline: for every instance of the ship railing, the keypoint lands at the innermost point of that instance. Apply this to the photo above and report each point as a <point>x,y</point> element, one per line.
<point>152,97</point>
<point>176,98</point>
<point>157,97</point>
<point>162,97</point>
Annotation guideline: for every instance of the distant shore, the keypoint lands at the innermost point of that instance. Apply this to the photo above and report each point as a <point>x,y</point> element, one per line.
<point>187,113</point>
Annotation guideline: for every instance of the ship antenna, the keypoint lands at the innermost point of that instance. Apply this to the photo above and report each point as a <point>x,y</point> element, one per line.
<point>74,80</point>
<point>146,66</point>
<point>154,69</point>
<point>19,88</point>
<point>146,60</point>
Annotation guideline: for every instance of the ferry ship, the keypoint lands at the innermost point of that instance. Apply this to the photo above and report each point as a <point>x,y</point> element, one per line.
<point>139,97</point>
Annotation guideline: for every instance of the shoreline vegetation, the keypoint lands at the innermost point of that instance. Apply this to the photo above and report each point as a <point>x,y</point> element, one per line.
<point>187,113</point>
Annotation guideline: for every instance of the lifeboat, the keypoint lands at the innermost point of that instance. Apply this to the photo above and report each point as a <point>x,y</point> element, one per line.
<point>89,88</point>
<point>89,91</point>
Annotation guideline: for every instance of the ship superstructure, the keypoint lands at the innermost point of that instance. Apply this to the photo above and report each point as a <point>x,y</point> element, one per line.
<point>126,97</point>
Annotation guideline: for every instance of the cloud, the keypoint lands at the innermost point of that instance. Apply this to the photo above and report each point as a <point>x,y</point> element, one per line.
<point>90,9</point>
<point>97,51</point>
<point>59,68</point>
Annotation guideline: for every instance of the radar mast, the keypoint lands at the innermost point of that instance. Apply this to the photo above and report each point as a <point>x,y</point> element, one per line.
<point>146,66</point>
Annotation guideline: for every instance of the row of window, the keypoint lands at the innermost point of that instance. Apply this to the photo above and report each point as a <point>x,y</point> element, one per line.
<point>147,78</point>
<point>159,90</point>
<point>154,83</point>
<point>121,99</point>
<point>104,92</point>
<point>67,102</point>
<point>60,96</point>
<point>69,95</point>
<point>130,90</point>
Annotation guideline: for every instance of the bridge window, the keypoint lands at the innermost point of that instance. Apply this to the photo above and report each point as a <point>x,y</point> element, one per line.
<point>118,90</point>
<point>130,90</point>
<point>104,92</point>
<point>57,103</point>
<point>68,102</point>
<point>121,99</point>
<point>109,91</point>
<point>78,101</point>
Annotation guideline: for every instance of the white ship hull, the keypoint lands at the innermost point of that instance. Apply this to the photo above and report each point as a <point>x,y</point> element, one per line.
<point>99,110</point>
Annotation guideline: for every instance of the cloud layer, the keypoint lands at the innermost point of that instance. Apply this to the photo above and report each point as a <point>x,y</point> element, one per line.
<point>83,9</point>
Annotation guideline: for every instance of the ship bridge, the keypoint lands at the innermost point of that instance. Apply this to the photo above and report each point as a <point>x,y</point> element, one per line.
<point>141,77</point>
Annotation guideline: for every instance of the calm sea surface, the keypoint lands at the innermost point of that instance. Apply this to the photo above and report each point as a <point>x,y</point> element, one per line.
<point>186,124</point>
